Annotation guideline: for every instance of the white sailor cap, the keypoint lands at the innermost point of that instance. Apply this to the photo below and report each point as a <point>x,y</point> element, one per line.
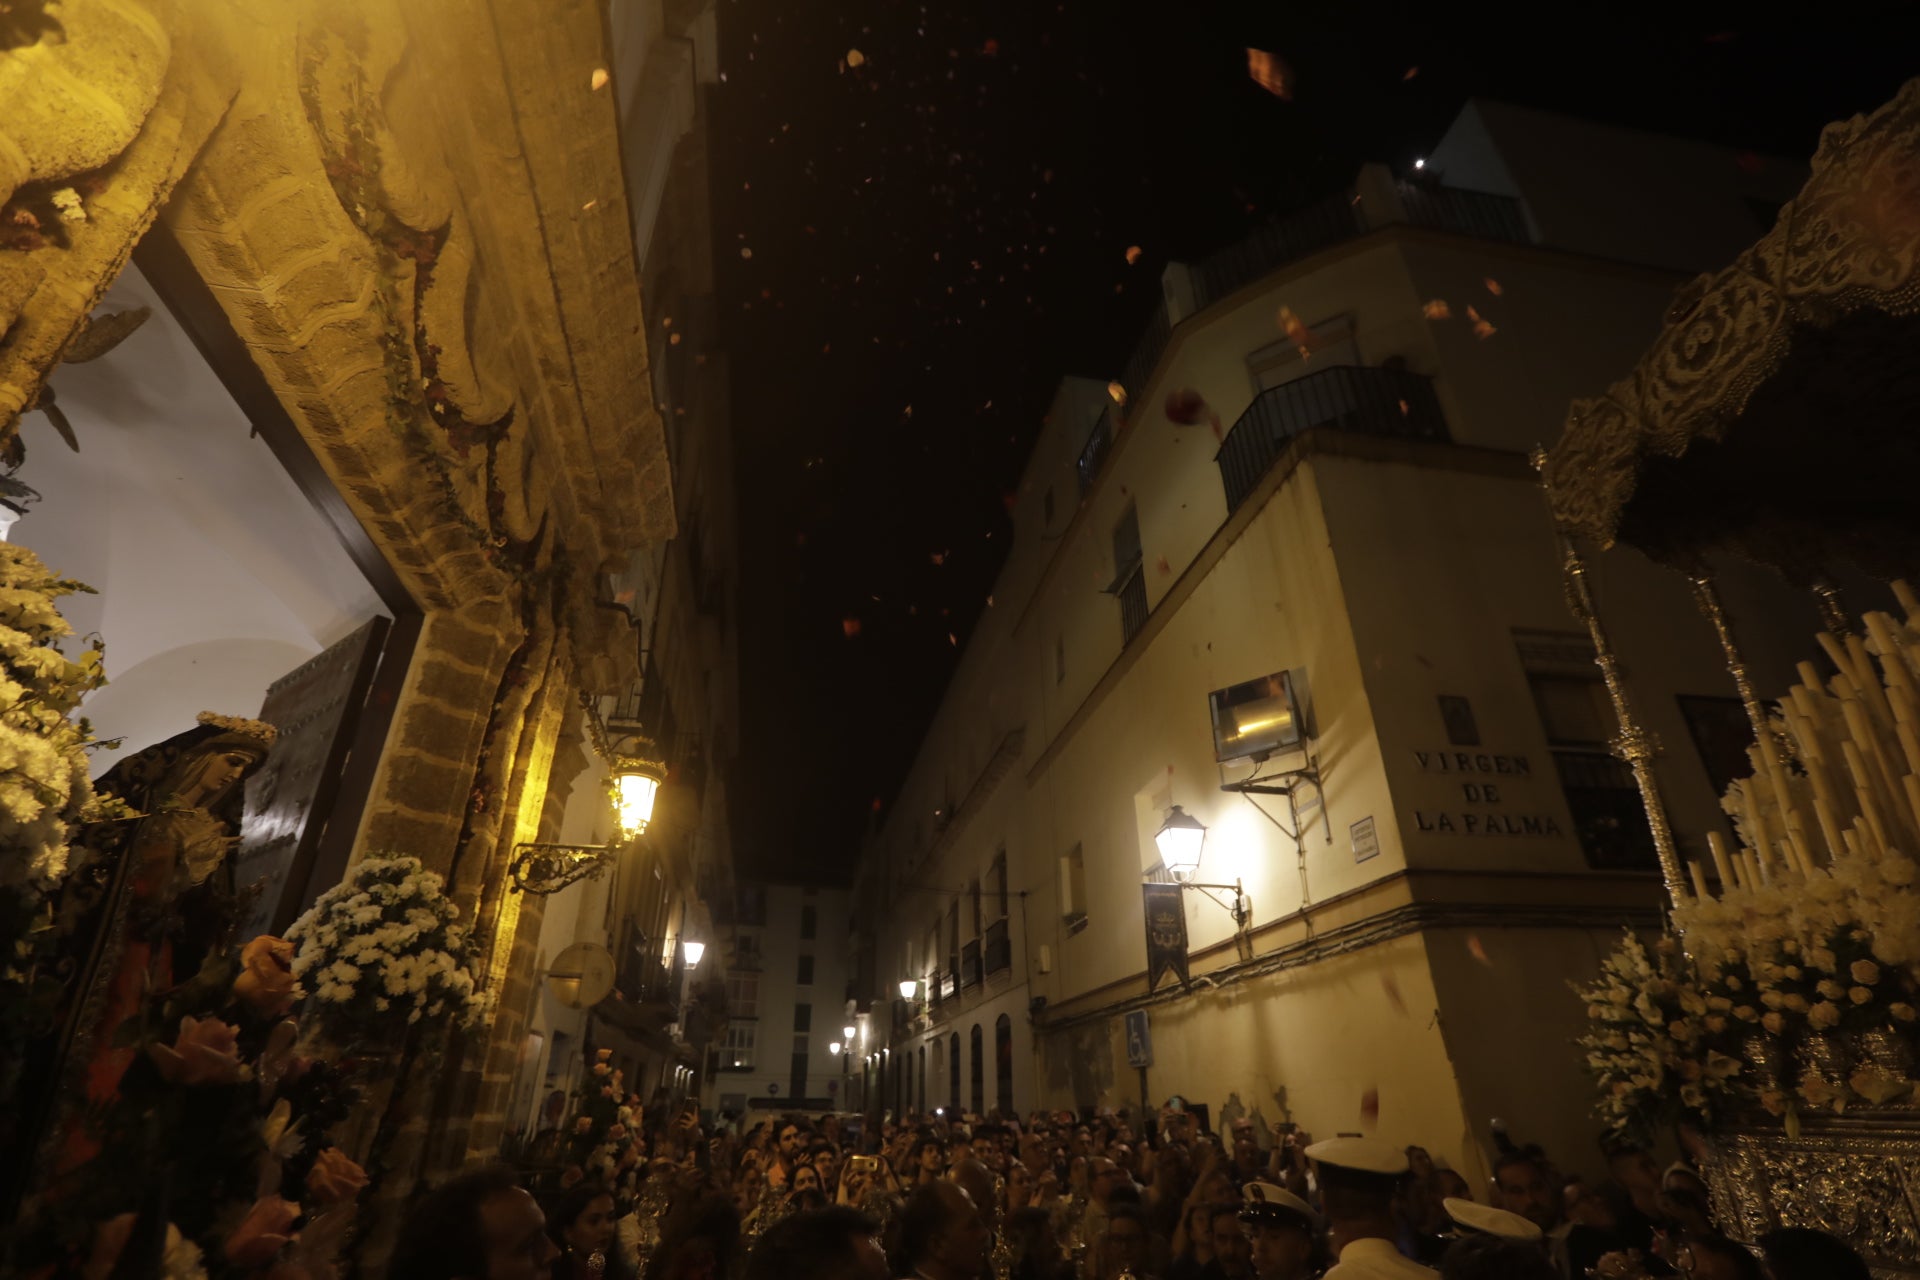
<point>1488,1220</point>
<point>1362,1155</point>
<point>1265,1202</point>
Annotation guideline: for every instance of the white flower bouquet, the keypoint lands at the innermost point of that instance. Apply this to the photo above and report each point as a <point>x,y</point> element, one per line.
<point>46,790</point>
<point>382,950</point>
<point>1651,1051</point>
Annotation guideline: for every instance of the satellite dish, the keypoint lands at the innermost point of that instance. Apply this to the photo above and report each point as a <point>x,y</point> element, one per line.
<point>582,975</point>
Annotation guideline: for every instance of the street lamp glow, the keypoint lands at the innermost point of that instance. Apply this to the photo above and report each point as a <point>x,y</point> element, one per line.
<point>834,1047</point>
<point>633,783</point>
<point>847,1033</point>
<point>693,950</point>
<point>1420,164</point>
<point>1179,839</point>
<point>907,987</point>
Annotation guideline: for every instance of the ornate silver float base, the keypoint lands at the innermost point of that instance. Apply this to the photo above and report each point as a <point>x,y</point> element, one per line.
<point>1856,1176</point>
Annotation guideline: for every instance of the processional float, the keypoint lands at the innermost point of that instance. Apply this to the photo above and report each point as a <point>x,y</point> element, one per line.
<point>1776,419</point>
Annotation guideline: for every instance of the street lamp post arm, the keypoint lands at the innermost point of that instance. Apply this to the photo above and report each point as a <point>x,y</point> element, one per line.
<point>541,868</point>
<point>1237,908</point>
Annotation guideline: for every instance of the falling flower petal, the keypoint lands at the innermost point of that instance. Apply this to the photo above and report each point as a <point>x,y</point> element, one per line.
<point>1478,949</point>
<point>1118,392</point>
<point>850,626</point>
<point>1186,407</point>
<point>855,58</point>
<point>1436,309</point>
<point>599,78</point>
<point>1271,73</point>
<point>1297,332</point>
<point>1493,286</point>
<point>745,252</point>
<point>1411,73</point>
<point>1133,254</point>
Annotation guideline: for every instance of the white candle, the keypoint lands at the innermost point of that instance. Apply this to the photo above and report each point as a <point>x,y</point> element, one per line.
<point>1717,845</point>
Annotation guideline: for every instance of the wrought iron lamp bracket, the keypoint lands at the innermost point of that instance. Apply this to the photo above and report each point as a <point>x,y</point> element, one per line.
<point>541,869</point>
<point>1237,908</point>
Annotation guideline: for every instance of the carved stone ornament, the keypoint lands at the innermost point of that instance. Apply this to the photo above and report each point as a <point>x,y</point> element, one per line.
<point>1857,1177</point>
<point>98,120</point>
<point>1777,364</point>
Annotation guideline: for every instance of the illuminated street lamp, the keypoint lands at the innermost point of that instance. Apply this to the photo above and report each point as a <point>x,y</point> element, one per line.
<point>633,782</point>
<point>693,951</point>
<point>909,987</point>
<point>847,1033</point>
<point>834,1047</point>
<point>1180,839</point>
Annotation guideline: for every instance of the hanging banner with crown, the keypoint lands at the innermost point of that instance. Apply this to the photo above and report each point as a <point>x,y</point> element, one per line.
<point>1166,917</point>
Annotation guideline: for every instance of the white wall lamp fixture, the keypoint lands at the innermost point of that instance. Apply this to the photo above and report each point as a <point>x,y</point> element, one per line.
<point>1181,839</point>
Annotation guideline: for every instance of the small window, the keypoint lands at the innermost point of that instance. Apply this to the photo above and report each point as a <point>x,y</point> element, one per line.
<point>1574,710</point>
<point>1280,362</point>
<point>1073,889</point>
<point>805,974</point>
<point>803,1017</point>
<point>1456,713</point>
<point>1126,544</point>
<point>809,923</point>
<point>1722,734</point>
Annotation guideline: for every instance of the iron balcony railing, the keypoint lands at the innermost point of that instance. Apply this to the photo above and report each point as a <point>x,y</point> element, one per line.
<point>1480,214</point>
<point>1336,218</point>
<point>1371,401</point>
<point>999,948</point>
<point>1274,245</point>
<point>970,964</point>
<point>1093,454</point>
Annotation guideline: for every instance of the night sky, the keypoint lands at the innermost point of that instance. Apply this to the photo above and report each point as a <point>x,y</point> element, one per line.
<point>918,239</point>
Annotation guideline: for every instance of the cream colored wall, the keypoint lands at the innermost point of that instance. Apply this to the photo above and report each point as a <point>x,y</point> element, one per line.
<point>1327,1034</point>
<point>1509,1022</point>
<point>1259,611</point>
<point>1439,569</point>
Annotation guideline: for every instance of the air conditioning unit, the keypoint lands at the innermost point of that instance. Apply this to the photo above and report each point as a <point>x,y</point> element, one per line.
<point>1046,958</point>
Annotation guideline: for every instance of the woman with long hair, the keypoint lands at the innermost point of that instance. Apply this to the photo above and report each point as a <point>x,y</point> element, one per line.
<point>582,1224</point>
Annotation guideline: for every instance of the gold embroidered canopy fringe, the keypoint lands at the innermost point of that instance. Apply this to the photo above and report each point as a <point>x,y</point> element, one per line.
<point>1772,417</point>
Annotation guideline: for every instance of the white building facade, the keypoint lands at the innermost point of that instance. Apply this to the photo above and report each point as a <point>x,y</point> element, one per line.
<point>1315,479</point>
<point>787,1003</point>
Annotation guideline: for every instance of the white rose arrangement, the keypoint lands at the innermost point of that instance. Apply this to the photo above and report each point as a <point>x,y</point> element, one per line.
<point>382,950</point>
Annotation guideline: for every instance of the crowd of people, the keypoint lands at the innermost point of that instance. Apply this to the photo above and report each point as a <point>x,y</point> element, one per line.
<point>1107,1196</point>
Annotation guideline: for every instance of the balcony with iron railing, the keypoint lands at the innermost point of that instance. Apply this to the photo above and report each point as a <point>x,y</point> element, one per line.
<point>998,952</point>
<point>1093,454</point>
<point>1369,401</point>
<point>970,974</point>
<point>1339,217</point>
